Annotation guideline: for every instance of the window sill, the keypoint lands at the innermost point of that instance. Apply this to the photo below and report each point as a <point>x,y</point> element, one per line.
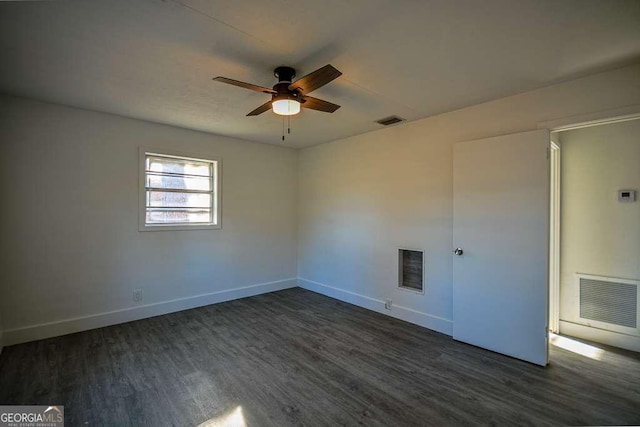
<point>183,227</point>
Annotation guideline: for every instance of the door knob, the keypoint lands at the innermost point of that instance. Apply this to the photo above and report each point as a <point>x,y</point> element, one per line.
<point>458,251</point>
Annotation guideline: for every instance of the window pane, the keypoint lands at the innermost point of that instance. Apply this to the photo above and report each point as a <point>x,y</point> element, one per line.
<point>167,199</point>
<point>178,182</point>
<point>178,216</point>
<point>182,166</point>
<point>179,190</point>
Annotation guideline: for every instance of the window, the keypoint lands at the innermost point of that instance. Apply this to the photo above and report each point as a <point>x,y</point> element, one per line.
<point>178,192</point>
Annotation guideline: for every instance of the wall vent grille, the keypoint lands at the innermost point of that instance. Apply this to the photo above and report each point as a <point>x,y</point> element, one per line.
<point>609,301</point>
<point>391,120</point>
<point>411,270</point>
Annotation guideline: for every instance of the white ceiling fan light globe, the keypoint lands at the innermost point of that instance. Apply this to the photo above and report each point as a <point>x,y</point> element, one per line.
<point>286,107</point>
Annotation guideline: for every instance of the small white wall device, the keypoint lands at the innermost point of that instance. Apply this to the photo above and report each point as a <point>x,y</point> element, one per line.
<point>626,196</point>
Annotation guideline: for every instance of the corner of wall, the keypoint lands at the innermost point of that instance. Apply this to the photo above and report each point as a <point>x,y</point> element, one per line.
<point>1,335</point>
<point>297,213</point>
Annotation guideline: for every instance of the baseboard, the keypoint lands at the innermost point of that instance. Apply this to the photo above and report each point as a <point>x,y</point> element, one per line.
<point>615,339</point>
<point>429,321</point>
<point>78,324</point>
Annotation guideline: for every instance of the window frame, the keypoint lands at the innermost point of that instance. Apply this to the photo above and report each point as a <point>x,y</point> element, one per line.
<point>142,191</point>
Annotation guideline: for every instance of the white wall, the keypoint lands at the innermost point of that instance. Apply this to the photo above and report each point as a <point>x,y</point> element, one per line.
<point>69,224</point>
<point>72,254</point>
<point>362,197</point>
<point>599,235</point>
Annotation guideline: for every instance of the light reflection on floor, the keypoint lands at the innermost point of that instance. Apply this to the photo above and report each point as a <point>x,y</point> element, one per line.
<point>234,418</point>
<point>576,346</point>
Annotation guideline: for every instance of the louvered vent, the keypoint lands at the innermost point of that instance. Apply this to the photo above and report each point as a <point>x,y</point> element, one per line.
<point>390,120</point>
<point>609,301</point>
<point>411,270</point>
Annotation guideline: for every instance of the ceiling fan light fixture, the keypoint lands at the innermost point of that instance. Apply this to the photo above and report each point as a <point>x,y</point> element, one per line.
<point>286,107</point>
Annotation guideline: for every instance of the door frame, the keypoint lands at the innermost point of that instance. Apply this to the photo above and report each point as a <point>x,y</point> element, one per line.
<point>554,238</point>
<point>605,117</point>
<point>617,115</point>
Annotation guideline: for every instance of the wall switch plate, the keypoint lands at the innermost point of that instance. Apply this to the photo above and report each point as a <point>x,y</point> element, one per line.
<point>137,295</point>
<point>387,304</point>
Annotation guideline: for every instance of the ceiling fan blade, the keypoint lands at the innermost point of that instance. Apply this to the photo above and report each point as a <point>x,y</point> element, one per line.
<point>244,85</point>
<point>316,79</point>
<point>318,104</point>
<point>261,109</point>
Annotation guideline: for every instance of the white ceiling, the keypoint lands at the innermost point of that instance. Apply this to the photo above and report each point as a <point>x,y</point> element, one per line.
<point>154,60</point>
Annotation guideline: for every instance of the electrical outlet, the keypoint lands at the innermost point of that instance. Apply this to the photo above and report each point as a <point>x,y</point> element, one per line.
<point>388,304</point>
<point>137,295</point>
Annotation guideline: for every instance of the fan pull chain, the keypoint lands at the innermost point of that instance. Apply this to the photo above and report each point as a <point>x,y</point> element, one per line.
<point>288,126</point>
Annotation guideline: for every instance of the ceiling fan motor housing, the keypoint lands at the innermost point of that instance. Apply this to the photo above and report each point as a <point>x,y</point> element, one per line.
<point>285,93</point>
<point>284,74</point>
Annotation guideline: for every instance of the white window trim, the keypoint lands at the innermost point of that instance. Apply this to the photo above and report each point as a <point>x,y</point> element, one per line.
<point>142,226</point>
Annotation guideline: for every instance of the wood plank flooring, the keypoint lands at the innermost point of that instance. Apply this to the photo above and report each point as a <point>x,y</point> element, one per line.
<point>298,358</point>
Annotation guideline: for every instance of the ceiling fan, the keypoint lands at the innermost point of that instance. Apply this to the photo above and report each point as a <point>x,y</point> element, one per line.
<point>286,96</point>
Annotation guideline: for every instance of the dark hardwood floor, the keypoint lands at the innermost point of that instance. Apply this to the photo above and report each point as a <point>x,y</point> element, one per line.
<point>298,358</point>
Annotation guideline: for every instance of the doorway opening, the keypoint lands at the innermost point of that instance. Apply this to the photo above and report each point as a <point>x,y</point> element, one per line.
<point>594,242</point>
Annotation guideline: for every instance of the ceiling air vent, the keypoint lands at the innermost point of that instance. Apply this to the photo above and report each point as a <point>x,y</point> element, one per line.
<point>391,120</point>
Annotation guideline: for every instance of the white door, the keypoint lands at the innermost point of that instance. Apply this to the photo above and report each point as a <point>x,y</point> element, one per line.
<point>501,223</point>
